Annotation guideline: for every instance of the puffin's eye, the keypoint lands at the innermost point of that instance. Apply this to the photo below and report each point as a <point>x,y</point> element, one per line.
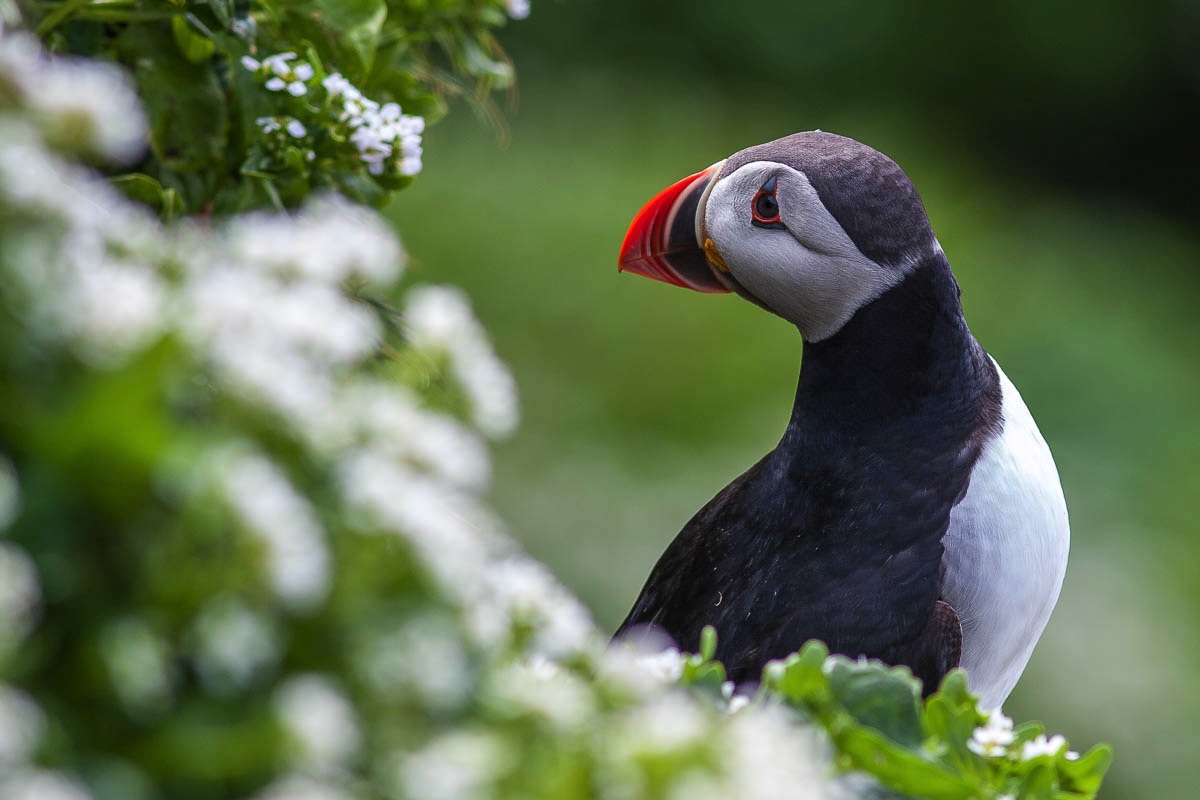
<point>765,207</point>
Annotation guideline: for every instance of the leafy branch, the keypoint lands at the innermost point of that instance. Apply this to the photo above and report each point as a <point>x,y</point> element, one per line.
<point>946,748</point>
<point>209,149</point>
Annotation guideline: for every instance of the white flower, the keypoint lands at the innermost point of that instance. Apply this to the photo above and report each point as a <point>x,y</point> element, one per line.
<point>410,165</point>
<point>390,112</point>
<point>370,144</point>
<point>251,64</point>
<point>521,593</point>
<point>233,646</point>
<point>766,755</point>
<point>21,726</point>
<point>285,76</point>
<point>423,658</point>
<point>88,104</point>
<point>302,787</point>
<point>356,108</point>
<point>1041,746</point>
<point>10,493</point>
<point>329,241</point>
<point>993,738</point>
<point>115,307</point>
<point>297,557</point>
<point>336,85</point>
<point>278,63</point>
<point>243,27</point>
<point>296,129</point>
<point>458,766</point>
<point>532,687</point>
<point>20,596</point>
<point>666,666</point>
<point>391,420</point>
<point>737,703</point>
<point>667,724</point>
<point>268,124</point>
<point>41,784</point>
<point>139,665</point>
<point>642,663</point>
<point>381,134</point>
<point>517,9</point>
<point>320,720</point>
<point>451,532</point>
<point>440,318</point>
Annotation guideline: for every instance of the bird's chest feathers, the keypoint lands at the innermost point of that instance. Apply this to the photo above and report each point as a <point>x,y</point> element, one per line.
<point>1006,552</point>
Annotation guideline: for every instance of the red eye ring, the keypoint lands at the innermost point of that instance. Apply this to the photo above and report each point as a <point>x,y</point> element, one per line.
<point>764,208</point>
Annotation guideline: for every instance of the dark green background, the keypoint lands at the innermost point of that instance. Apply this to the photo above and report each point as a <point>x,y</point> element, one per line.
<point>1055,146</point>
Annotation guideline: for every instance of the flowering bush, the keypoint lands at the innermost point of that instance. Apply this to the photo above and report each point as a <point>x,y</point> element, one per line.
<point>245,549</point>
<point>268,118</point>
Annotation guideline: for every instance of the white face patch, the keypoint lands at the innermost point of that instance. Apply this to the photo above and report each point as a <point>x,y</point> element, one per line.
<point>809,272</point>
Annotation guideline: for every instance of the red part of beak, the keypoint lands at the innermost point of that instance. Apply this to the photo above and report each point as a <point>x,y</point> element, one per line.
<point>661,242</point>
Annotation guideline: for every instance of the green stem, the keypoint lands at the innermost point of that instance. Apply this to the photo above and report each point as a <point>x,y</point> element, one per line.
<point>58,15</point>
<point>98,11</point>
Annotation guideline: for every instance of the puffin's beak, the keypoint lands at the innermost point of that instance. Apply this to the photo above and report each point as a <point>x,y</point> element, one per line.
<point>662,241</point>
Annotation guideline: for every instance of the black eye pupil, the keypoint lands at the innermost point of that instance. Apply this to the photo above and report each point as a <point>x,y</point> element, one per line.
<point>766,207</point>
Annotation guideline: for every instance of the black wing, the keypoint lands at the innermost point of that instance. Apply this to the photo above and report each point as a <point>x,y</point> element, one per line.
<point>773,567</point>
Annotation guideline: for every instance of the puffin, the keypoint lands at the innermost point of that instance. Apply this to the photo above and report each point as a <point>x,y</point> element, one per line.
<point>912,511</point>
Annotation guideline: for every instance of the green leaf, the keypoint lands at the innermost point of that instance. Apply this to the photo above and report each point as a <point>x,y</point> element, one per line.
<point>145,189</point>
<point>950,718</point>
<point>708,642</point>
<point>1085,774</point>
<point>955,692</point>
<point>700,670</point>
<point>901,769</point>
<point>58,15</point>
<point>884,698</point>
<point>799,676</point>
<point>1040,784</point>
<point>194,46</point>
<point>188,112</point>
<point>359,186</point>
<point>349,29</point>
<point>223,10</point>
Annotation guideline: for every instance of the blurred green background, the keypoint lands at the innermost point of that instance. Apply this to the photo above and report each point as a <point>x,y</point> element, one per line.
<point>1055,146</point>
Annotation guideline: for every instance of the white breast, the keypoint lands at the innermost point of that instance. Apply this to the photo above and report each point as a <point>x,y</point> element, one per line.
<point>1006,552</point>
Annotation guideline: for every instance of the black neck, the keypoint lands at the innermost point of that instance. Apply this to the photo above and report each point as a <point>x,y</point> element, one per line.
<point>905,350</point>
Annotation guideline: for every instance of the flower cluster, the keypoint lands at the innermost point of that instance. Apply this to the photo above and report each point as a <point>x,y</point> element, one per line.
<point>380,133</point>
<point>355,128</point>
<point>80,106</point>
<point>996,739</point>
<point>282,75</point>
<point>517,9</point>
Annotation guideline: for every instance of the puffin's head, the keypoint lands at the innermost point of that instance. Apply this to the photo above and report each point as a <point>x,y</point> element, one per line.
<point>812,227</point>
